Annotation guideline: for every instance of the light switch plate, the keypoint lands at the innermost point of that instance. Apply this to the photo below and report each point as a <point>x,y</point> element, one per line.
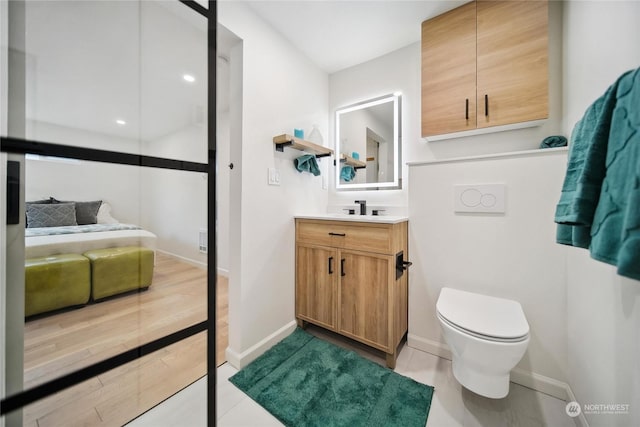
<point>274,176</point>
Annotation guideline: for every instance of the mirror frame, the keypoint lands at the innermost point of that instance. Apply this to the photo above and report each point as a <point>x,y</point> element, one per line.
<point>396,184</point>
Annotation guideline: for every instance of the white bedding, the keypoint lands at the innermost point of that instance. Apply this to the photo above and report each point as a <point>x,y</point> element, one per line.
<point>39,246</point>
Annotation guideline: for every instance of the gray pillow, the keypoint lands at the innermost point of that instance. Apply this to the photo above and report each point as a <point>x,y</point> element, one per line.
<point>86,212</point>
<point>53,215</point>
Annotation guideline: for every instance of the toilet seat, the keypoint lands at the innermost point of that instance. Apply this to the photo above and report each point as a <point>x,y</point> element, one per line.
<point>482,316</point>
<point>479,336</point>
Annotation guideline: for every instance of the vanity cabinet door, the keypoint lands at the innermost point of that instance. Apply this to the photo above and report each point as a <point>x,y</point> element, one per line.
<point>512,62</point>
<point>316,277</point>
<point>449,72</point>
<point>364,297</point>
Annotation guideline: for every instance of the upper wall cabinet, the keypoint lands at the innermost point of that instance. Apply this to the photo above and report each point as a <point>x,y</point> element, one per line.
<point>484,64</point>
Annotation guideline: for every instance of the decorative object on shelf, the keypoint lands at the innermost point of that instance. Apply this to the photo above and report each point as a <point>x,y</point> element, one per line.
<point>554,141</point>
<point>307,163</point>
<point>298,133</point>
<point>286,140</point>
<point>315,136</point>
<point>347,173</point>
<point>355,155</point>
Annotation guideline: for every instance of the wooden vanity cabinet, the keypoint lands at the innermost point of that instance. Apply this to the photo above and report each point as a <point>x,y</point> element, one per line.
<point>485,64</point>
<point>346,280</point>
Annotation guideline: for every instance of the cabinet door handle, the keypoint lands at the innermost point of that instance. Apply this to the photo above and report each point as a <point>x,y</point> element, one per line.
<point>342,273</point>
<point>337,234</point>
<point>486,105</point>
<point>466,109</point>
<point>330,265</point>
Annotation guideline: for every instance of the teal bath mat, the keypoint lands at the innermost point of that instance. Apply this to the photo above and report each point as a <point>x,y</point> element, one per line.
<point>305,381</point>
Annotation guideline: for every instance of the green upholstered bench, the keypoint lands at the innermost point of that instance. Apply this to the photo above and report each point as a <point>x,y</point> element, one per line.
<point>54,282</point>
<point>118,270</point>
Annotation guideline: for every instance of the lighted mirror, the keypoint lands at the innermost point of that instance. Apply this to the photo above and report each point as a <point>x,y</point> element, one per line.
<point>368,145</point>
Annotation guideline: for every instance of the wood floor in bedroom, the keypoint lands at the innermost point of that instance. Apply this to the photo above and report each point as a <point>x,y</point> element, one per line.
<point>64,342</point>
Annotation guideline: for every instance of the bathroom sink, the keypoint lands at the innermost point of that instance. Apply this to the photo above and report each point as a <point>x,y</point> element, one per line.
<point>384,219</point>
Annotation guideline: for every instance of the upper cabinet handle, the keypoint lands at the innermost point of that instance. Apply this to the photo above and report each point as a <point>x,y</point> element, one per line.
<point>337,234</point>
<point>486,105</point>
<point>466,109</point>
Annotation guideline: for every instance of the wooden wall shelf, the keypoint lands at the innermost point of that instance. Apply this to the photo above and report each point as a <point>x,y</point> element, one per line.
<point>348,160</point>
<point>286,140</point>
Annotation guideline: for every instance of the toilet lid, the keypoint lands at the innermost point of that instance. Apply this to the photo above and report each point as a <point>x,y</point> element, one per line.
<point>483,314</point>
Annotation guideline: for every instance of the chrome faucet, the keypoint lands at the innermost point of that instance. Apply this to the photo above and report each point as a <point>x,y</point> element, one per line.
<point>363,206</point>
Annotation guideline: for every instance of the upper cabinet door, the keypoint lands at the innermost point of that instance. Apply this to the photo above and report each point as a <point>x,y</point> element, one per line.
<point>449,72</point>
<point>512,45</point>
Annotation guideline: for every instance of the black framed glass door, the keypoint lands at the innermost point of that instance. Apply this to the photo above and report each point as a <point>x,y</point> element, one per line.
<point>107,153</point>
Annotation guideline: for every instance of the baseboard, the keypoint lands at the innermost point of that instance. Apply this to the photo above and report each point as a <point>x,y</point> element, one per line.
<point>531,380</point>
<point>580,420</point>
<point>193,262</point>
<point>240,360</point>
<point>223,272</point>
<point>429,346</point>
<point>540,383</point>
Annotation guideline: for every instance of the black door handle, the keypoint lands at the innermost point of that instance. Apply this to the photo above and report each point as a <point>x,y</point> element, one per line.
<point>342,273</point>
<point>330,265</point>
<point>13,192</point>
<point>337,234</point>
<point>486,105</point>
<point>466,109</point>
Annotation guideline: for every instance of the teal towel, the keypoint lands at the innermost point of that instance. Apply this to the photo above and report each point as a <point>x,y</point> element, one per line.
<point>307,163</point>
<point>554,141</point>
<point>600,200</point>
<point>347,173</point>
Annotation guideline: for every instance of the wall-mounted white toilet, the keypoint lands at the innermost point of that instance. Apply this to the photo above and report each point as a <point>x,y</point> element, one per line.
<point>487,337</point>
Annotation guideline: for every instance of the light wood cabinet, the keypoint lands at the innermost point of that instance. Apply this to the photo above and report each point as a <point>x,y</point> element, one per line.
<point>349,279</point>
<point>485,64</point>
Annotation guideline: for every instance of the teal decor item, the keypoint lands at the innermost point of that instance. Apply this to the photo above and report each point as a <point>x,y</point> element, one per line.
<point>554,141</point>
<point>305,381</point>
<point>298,133</point>
<point>347,173</point>
<point>307,163</point>
<point>355,155</point>
<point>598,207</point>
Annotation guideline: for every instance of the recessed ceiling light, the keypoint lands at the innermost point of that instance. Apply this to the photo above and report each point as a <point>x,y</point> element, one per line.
<point>189,78</point>
<point>121,122</point>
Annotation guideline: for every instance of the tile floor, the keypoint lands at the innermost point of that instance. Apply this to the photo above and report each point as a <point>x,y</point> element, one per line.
<point>452,405</point>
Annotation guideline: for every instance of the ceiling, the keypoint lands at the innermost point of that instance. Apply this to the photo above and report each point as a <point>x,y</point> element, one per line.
<point>339,34</point>
<point>89,64</point>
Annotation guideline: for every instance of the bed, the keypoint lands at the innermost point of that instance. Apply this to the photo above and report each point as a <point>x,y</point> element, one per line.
<point>46,241</point>
<point>75,253</point>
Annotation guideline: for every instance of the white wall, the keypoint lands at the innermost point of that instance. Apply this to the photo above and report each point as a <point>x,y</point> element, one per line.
<point>400,71</point>
<point>174,203</point>
<point>511,255</point>
<point>280,90</point>
<point>79,180</point>
<point>222,191</point>
<point>603,310</point>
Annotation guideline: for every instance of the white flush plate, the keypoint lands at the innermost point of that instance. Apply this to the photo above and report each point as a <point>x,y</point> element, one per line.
<point>483,198</point>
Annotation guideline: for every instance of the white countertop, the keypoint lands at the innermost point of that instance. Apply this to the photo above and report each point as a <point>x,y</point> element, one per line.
<point>382,219</point>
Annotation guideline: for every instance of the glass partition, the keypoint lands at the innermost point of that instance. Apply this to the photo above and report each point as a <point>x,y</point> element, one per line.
<point>109,255</point>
